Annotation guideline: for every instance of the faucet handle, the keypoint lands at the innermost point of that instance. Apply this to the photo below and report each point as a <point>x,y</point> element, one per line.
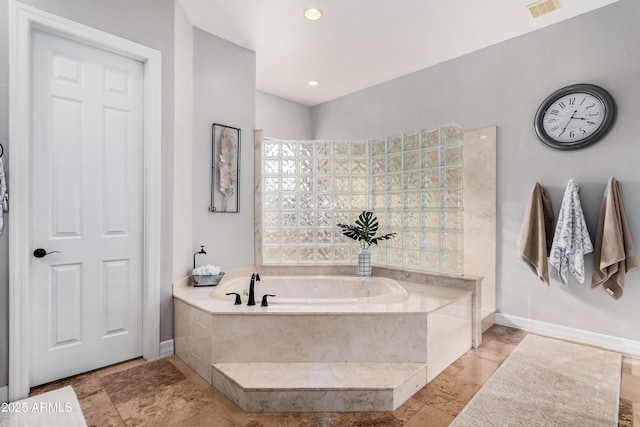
<point>264,300</point>
<point>257,275</point>
<point>238,301</point>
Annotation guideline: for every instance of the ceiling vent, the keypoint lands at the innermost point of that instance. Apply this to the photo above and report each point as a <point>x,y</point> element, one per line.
<point>542,7</point>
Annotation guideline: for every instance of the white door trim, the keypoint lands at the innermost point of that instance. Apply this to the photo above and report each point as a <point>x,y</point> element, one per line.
<point>22,19</point>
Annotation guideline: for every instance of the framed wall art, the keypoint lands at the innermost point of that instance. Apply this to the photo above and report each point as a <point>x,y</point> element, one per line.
<point>225,169</point>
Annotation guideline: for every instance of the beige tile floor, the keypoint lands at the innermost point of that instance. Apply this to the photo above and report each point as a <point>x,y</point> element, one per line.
<point>167,392</point>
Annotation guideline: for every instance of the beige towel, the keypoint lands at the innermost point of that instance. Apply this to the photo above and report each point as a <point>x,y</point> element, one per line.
<point>536,234</point>
<point>614,253</point>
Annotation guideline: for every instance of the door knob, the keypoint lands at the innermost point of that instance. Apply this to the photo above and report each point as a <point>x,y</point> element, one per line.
<point>39,253</point>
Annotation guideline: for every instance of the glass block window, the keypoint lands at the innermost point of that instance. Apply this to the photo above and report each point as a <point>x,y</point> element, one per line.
<point>412,181</point>
<point>309,187</point>
<point>422,199</point>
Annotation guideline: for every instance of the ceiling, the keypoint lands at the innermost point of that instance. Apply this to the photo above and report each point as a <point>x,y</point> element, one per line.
<point>358,43</point>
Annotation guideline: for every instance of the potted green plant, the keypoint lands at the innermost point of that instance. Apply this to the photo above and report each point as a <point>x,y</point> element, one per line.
<point>364,231</point>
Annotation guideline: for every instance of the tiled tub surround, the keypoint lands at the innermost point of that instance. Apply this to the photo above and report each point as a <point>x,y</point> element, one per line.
<point>312,357</point>
<point>300,215</point>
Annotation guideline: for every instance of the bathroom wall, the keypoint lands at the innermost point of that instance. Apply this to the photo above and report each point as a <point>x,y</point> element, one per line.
<point>149,22</point>
<point>281,118</point>
<point>225,93</point>
<point>503,85</point>
<point>183,140</point>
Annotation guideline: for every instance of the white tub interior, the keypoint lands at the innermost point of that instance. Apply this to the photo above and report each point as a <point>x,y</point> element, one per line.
<point>316,289</point>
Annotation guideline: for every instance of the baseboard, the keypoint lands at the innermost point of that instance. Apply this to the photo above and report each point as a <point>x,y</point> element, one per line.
<point>166,348</point>
<point>622,345</point>
<point>4,394</point>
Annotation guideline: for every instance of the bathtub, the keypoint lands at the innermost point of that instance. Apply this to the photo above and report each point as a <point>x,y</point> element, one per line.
<point>322,320</point>
<point>317,289</point>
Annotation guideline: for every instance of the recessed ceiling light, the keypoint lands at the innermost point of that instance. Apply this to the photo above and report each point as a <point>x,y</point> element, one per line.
<point>313,13</point>
<point>313,82</point>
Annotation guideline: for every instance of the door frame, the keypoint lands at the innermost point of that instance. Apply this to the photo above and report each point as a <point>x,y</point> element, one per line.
<point>22,20</point>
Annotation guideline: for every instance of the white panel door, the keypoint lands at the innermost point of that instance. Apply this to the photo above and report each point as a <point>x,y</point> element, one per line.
<point>87,205</point>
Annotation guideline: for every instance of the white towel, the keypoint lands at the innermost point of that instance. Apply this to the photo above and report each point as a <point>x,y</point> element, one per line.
<point>4,196</point>
<point>571,241</point>
<point>206,270</point>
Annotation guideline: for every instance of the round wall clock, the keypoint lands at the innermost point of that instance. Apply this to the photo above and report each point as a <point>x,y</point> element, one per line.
<point>575,116</point>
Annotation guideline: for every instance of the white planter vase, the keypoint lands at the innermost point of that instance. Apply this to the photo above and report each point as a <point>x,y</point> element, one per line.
<point>364,262</point>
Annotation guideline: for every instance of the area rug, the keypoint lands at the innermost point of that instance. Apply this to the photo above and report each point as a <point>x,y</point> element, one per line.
<point>546,382</point>
<point>57,408</point>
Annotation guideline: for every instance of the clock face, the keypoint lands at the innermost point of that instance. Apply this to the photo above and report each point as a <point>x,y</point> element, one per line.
<point>574,117</point>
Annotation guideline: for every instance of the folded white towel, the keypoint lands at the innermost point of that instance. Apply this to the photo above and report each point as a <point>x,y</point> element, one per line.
<point>571,241</point>
<point>206,270</point>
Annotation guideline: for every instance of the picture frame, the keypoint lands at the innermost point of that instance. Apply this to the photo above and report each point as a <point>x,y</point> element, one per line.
<point>225,169</point>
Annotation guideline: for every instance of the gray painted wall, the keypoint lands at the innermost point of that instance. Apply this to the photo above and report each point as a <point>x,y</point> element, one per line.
<point>282,119</point>
<point>225,93</point>
<point>149,22</point>
<point>503,85</point>
<point>183,140</point>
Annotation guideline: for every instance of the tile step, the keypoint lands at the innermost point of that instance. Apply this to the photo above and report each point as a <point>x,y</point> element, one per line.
<point>318,387</point>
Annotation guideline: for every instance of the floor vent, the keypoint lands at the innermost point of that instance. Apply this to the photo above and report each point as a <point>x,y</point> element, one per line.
<point>542,7</point>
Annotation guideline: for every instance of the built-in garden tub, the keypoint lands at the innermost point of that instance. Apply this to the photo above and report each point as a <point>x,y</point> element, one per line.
<point>343,334</point>
<point>317,289</point>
